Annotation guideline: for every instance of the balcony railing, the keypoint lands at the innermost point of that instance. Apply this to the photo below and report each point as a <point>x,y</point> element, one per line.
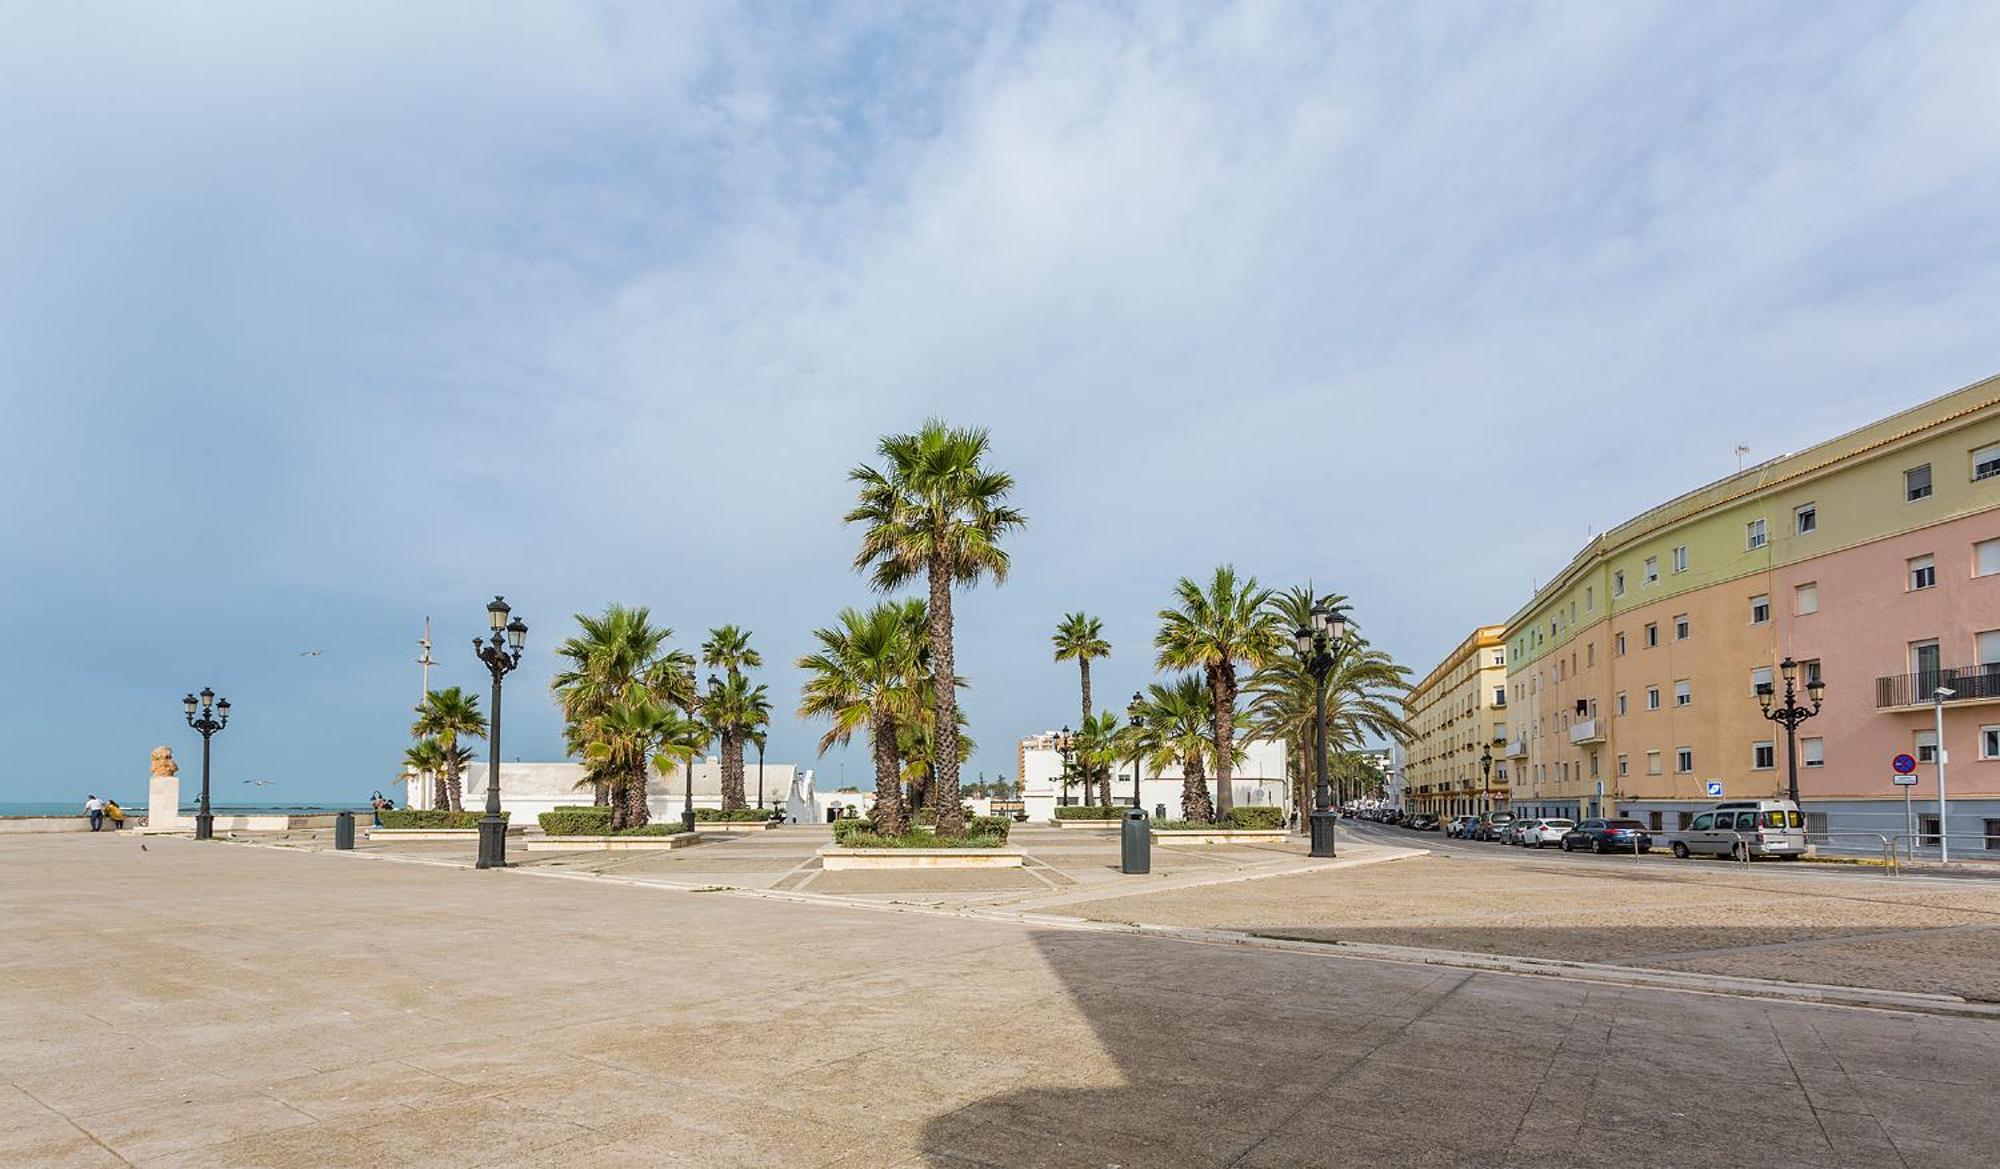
<point>1970,683</point>
<point>1518,749</point>
<point>1587,731</point>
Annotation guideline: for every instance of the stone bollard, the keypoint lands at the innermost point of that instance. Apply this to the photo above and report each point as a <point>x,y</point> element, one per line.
<point>343,830</point>
<point>1135,843</point>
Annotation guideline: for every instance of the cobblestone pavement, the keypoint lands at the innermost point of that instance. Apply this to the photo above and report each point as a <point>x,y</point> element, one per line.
<point>223,1006</point>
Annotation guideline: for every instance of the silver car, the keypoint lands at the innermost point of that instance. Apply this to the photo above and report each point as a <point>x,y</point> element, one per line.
<point>1541,833</point>
<point>1745,828</point>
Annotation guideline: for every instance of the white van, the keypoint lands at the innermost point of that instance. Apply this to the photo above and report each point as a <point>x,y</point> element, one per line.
<point>1758,827</point>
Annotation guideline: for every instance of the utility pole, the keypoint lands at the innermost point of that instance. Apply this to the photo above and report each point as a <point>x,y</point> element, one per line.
<point>424,661</point>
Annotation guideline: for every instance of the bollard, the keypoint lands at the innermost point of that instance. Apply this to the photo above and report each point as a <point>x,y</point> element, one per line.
<point>343,830</point>
<point>1135,843</point>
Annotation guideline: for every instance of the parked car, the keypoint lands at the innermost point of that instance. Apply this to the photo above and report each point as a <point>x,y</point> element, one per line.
<point>1542,832</point>
<point>1608,836</point>
<point>1753,827</point>
<point>1490,825</point>
<point>1511,834</point>
<point>1462,827</point>
<point>1421,822</point>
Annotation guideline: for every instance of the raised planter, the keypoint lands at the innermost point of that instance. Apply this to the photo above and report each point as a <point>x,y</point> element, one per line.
<point>1099,824</point>
<point>430,833</point>
<point>1220,835</point>
<point>612,843</point>
<point>835,858</point>
<point>732,825</point>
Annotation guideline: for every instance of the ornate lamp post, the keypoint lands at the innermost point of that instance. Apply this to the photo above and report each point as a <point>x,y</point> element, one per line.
<point>1066,744</point>
<point>1486,777</point>
<point>501,653</point>
<point>213,716</point>
<point>1790,715</point>
<point>1135,711</point>
<point>1319,647</point>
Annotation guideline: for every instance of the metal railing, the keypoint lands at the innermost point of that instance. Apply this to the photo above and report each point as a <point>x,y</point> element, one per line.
<point>1971,682</point>
<point>1909,847</point>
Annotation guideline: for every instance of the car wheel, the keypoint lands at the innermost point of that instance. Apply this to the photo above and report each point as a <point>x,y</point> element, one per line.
<point>1680,850</point>
<point>1597,846</point>
<point>1565,844</point>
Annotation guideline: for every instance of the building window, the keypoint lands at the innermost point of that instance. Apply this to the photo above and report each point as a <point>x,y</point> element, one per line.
<point>1683,693</point>
<point>1618,646</point>
<point>1813,752</point>
<point>1917,483</point>
<point>1681,558</point>
<point>1986,649</point>
<point>1624,765</point>
<point>1805,519</point>
<point>1618,583</point>
<point>1993,836</point>
<point>1810,668</point>
<point>1986,558</point>
<point>1590,654</point>
<point>1763,756</point>
<point>1760,609</point>
<point>1499,657</point>
<point>1805,598</point>
<point>1923,573</point>
<point>1652,634</point>
<point>1986,462</point>
<point>1927,830</point>
<point>1499,696</point>
<point>1759,678</point>
<point>1652,763</point>
<point>1652,570</point>
<point>1927,746</point>
<point>1621,704</point>
<point>1683,760</point>
<point>1652,698</point>
<point>1589,598</point>
<point>1925,660</point>
<point>1753,535</point>
<point>1683,629</point>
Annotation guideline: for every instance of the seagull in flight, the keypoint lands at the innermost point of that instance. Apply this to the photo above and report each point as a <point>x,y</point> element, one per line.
<point>261,782</point>
<point>309,653</point>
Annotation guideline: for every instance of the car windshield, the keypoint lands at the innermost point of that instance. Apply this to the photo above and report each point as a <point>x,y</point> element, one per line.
<point>1560,823</point>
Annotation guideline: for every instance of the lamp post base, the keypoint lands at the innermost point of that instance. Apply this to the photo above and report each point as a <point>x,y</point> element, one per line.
<point>204,826</point>
<point>687,820</point>
<point>492,842</point>
<point>1323,823</point>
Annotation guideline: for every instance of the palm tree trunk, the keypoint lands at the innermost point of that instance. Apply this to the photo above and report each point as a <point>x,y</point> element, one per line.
<point>452,786</point>
<point>944,682</point>
<point>440,792</point>
<point>636,811</point>
<point>732,771</point>
<point>1195,807</point>
<point>889,815</point>
<point>1222,690</point>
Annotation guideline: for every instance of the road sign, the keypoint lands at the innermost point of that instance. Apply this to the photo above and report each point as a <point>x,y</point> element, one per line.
<point>1903,780</point>
<point>1904,763</point>
<point>1714,787</point>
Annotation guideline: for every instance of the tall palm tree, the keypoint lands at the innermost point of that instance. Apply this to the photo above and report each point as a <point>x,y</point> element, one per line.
<point>1212,630</point>
<point>729,648</point>
<point>425,759</point>
<point>1177,734</point>
<point>1080,638</point>
<point>633,735</point>
<point>617,667</point>
<point>448,715</point>
<point>935,510</point>
<point>866,676</point>
<point>732,710</point>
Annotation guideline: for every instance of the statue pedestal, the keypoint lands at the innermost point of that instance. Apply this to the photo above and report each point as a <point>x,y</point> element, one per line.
<point>163,806</point>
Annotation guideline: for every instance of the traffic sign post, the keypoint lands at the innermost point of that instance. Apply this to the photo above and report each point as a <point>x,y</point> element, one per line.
<point>1907,782</point>
<point>1714,789</point>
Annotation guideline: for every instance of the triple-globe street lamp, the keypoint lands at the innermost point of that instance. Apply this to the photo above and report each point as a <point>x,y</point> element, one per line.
<point>206,715</point>
<point>501,653</point>
<point>1790,715</point>
<point>1135,711</point>
<point>1319,647</point>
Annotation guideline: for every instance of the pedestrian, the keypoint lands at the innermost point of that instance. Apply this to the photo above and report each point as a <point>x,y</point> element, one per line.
<point>94,808</point>
<point>114,813</point>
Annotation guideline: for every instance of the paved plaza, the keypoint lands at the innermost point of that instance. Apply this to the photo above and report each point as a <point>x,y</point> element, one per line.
<point>234,1005</point>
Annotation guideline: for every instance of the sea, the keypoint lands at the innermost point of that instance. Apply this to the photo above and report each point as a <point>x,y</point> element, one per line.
<point>75,807</point>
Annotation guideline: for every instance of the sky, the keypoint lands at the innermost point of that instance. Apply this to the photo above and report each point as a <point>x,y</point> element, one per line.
<point>319,319</point>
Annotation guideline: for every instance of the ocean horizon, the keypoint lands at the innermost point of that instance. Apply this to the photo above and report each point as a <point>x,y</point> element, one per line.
<point>289,807</point>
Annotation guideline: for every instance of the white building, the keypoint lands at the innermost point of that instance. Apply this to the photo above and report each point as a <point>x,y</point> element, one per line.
<point>1259,779</point>
<point>529,789</point>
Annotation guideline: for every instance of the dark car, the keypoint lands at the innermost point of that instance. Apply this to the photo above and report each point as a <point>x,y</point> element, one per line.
<point>1490,826</point>
<point>1609,836</point>
<point>1422,822</point>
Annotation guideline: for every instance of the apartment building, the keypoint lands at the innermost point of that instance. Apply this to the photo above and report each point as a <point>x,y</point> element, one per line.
<point>1873,559</point>
<point>1458,714</point>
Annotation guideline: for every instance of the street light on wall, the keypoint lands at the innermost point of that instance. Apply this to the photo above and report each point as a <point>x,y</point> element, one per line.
<point>1318,646</point>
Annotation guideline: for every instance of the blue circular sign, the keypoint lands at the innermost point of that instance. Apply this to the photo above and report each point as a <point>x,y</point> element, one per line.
<point>1904,764</point>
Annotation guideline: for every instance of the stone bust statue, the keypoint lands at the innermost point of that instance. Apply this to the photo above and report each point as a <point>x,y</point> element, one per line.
<point>163,762</point>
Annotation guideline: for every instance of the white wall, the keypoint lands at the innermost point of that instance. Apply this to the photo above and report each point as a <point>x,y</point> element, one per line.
<point>529,789</point>
<point>1258,780</point>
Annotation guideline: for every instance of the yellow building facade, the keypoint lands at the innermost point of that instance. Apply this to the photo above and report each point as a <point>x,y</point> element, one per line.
<point>1458,716</point>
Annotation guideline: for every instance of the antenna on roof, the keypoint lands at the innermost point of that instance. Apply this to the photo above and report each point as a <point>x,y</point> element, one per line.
<point>1741,450</point>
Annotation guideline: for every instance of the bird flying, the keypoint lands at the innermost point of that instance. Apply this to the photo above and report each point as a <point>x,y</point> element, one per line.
<point>309,653</point>
<point>261,782</point>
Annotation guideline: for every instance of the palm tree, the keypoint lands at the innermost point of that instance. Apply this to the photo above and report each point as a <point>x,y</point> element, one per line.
<point>728,647</point>
<point>1080,638</point>
<point>1178,717</point>
<point>618,668</point>
<point>866,675</point>
<point>732,709</point>
<point>425,759</point>
<point>916,748</point>
<point>634,734</point>
<point>1099,745</point>
<point>1211,631</point>
<point>935,511</point>
<point>446,715</point>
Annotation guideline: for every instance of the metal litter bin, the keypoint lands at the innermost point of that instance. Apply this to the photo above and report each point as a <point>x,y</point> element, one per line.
<point>1135,851</point>
<point>343,830</point>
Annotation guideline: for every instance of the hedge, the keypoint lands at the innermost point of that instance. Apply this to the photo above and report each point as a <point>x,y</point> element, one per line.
<point>919,838</point>
<point>1257,817</point>
<point>842,829</point>
<point>576,821</point>
<point>736,816</point>
<point>988,826</point>
<point>1079,812</point>
<point>989,831</point>
<point>433,818</point>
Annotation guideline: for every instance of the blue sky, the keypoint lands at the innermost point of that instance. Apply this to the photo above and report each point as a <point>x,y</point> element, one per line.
<point>318,319</point>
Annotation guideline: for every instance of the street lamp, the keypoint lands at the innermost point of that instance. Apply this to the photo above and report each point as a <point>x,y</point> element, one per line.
<point>1486,772</point>
<point>213,716</point>
<point>1790,715</point>
<point>687,790</point>
<point>501,653</point>
<point>1066,745</point>
<point>1318,645</point>
<point>1136,713</point>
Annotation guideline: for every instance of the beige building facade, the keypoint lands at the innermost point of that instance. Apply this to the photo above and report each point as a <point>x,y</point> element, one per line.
<point>1454,763</point>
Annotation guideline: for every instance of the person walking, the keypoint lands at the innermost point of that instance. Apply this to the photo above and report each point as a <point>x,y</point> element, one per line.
<point>94,808</point>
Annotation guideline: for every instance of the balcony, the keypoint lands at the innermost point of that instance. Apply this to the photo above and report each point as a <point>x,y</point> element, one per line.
<point>1973,684</point>
<point>1518,749</point>
<point>1590,730</point>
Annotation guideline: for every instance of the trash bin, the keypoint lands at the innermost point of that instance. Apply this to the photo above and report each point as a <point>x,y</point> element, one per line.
<point>343,830</point>
<point>1135,851</point>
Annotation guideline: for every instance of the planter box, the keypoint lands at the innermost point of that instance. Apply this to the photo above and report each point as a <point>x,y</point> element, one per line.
<point>428,833</point>
<point>732,825</point>
<point>1221,836</point>
<point>612,843</point>
<point>1100,824</point>
<point>835,858</point>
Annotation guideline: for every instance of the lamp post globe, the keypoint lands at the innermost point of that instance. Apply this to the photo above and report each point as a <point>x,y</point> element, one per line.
<point>501,653</point>
<point>1318,644</point>
<point>1791,713</point>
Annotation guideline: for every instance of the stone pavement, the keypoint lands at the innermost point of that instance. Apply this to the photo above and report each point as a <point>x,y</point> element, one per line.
<point>219,1005</point>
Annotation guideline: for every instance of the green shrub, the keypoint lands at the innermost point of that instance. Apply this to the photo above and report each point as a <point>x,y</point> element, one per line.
<point>736,816</point>
<point>987,826</point>
<point>576,821</point>
<point>1258,817</point>
<point>843,829</point>
<point>668,828</point>
<point>433,818</point>
<point>604,808</point>
<point>1076,812</point>
<point>919,838</point>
